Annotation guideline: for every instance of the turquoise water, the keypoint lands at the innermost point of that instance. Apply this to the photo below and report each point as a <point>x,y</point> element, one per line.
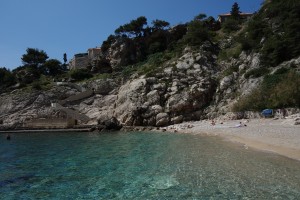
<point>140,166</point>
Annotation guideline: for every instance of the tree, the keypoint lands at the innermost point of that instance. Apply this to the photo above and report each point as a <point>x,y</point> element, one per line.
<point>197,33</point>
<point>6,78</point>
<point>135,27</point>
<point>158,41</point>
<point>52,67</point>
<point>106,44</point>
<point>138,25</point>
<point>34,57</point>
<point>65,58</point>
<point>200,17</point>
<point>233,23</point>
<point>160,24</point>
<point>235,11</point>
<point>33,61</point>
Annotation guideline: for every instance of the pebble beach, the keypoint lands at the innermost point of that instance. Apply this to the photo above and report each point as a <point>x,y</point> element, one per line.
<point>279,136</point>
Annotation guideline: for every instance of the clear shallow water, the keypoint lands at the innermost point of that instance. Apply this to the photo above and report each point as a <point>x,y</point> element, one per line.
<point>140,166</point>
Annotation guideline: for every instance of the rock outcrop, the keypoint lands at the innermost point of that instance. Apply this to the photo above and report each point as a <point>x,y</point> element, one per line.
<point>192,87</point>
<point>111,124</point>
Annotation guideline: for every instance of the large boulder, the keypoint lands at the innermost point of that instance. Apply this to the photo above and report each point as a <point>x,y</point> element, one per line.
<point>177,119</point>
<point>112,124</point>
<point>102,86</point>
<point>153,97</point>
<point>226,82</point>
<point>162,119</point>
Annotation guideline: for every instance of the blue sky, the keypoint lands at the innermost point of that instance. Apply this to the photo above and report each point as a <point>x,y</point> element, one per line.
<point>73,26</point>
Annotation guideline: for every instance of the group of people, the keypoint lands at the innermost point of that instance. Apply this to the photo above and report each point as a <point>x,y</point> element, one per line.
<point>213,122</point>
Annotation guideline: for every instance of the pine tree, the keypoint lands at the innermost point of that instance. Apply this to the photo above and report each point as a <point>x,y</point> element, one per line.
<point>65,58</point>
<point>235,11</point>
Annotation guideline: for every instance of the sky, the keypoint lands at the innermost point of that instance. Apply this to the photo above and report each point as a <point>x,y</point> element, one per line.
<point>73,26</point>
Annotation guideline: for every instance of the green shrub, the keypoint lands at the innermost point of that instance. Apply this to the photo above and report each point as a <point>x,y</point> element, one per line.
<point>255,101</point>
<point>246,44</point>
<point>80,74</point>
<point>232,52</point>
<point>155,47</point>
<point>271,80</point>
<point>230,70</point>
<point>43,83</point>
<point>281,70</point>
<point>287,92</point>
<point>36,86</point>
<point>276,91</point>
<point>197,33</point>
<point>231,25</point>
<point>129,70</point>
<point>257,72</point>
<point>153,64</point>
<point>102,76</point>
<point>150,66</point>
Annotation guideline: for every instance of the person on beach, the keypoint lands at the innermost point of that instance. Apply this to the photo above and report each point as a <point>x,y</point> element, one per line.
<point>240,125</point>
<point>213,122</point>
<point>7,137</point>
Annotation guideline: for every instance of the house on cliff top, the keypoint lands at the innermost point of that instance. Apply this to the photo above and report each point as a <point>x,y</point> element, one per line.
<point>243,16</point>
<point>82,60</point>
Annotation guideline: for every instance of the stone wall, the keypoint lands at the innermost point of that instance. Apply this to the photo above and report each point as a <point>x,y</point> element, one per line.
<point>49,123</point>
<point>93,52</point>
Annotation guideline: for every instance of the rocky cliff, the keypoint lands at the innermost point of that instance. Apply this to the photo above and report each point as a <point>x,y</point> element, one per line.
<point>192,87</point>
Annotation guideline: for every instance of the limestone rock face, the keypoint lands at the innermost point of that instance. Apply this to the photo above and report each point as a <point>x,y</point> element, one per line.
<point>18,106</point>
<point>226,82</point>
<point>121,53</point>
<point>102,86</point>
<point>178,93</point>
<point>255,61</point>
<point>153,97</point>
<point>193,86</point>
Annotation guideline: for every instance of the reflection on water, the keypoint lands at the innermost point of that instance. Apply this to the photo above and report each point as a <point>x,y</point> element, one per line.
<point>140,166</point>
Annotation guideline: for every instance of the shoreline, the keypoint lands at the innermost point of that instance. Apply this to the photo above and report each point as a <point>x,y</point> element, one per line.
<point>45,130</point>
<point>279,136</point>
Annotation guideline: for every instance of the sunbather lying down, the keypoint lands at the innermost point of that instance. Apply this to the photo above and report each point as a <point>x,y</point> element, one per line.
<point>240,125</point>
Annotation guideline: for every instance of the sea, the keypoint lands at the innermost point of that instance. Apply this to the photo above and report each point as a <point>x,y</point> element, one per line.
<point>140,165</point>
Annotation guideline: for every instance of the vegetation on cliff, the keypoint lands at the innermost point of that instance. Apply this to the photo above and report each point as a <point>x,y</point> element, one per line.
<point>274,32</point>
<point>278,90</point>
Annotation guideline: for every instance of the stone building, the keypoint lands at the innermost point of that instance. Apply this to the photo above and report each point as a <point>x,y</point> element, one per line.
<point>93,52</point>
<point>82,60</point>
<point>244,16</point>
<point>79,61</point>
